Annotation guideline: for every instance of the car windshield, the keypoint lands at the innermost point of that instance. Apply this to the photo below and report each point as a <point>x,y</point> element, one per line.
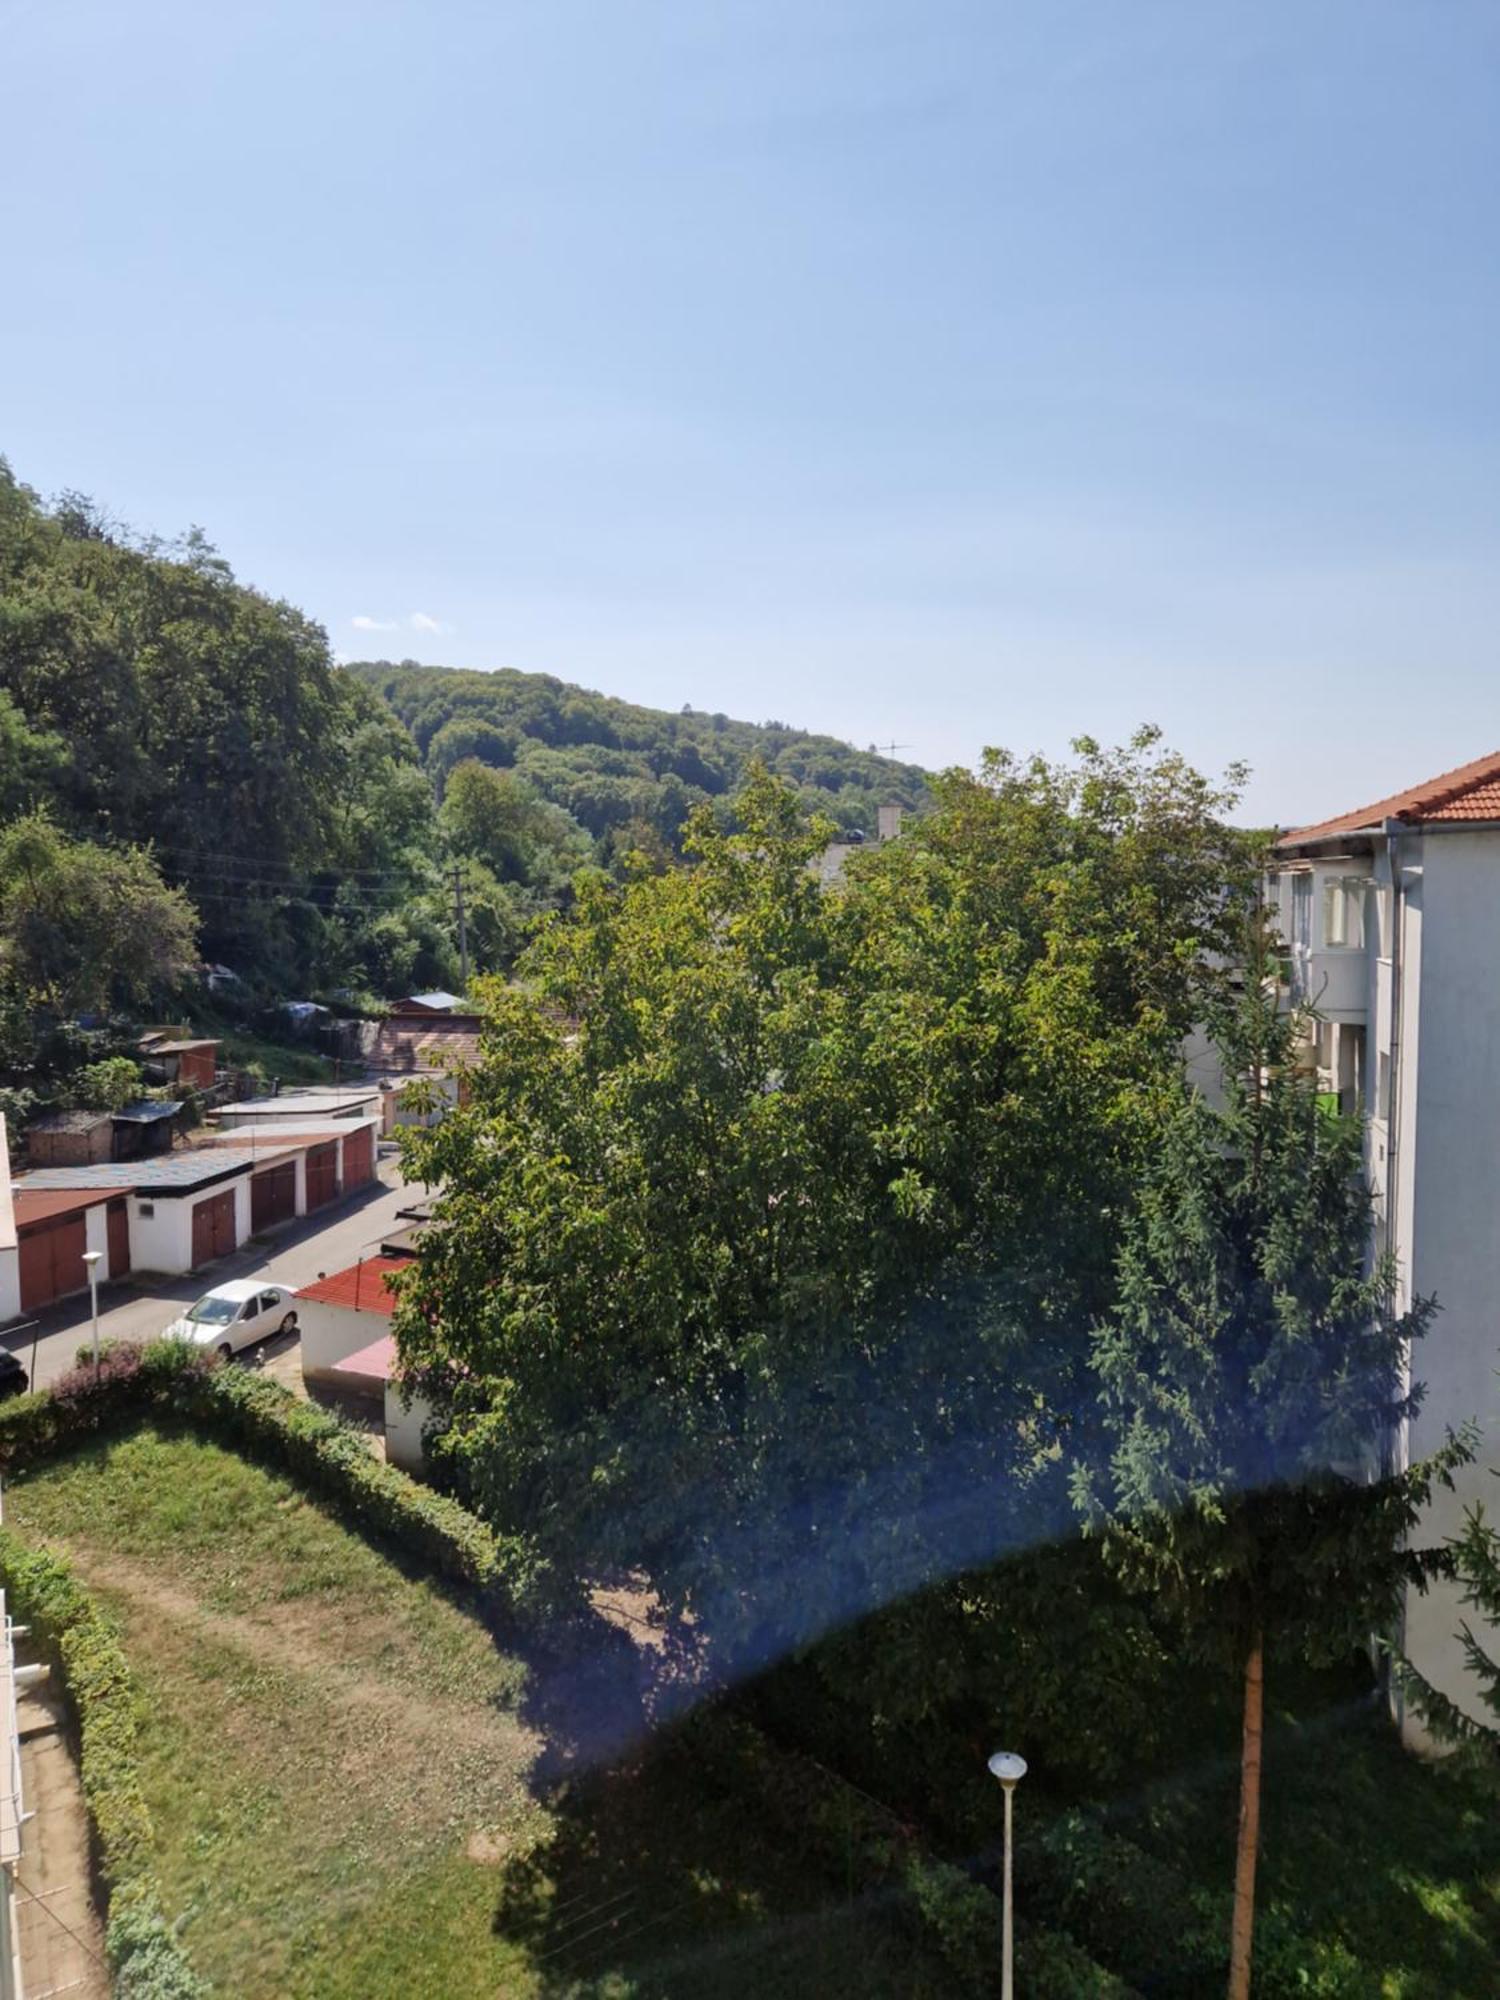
<point>214,1311</point>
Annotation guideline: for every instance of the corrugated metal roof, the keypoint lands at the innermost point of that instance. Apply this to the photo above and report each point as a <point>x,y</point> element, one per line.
<point>435,1003</point>
<point>146,1114</point>
<point>1470,791</point>
<point>42,1204</point>
<point>362,1288</point>
<point>150,1048</point>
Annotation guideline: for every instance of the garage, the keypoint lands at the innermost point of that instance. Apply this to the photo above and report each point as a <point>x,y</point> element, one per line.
<point>213,1227</point>
<point>273,1195</point>
<point>359,1157</point>
<point>118,1238</point>
<point>51,1260</point>
<point>322,1174</point>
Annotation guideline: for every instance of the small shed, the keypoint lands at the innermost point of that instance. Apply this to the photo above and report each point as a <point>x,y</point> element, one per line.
<point>70,1139</point>
<point>188,1061</point>
<point>371,1372</point>
<point>141,1130</point>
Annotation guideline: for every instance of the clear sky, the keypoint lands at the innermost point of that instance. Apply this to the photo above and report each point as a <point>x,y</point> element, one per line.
<point>934,372</point>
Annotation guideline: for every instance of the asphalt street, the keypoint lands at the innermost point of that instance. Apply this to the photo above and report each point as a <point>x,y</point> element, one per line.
<point>137,1309</point>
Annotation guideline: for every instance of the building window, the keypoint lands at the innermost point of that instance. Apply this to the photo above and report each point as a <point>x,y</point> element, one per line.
<point>1344,912</point>
<point>1302,889</point>
<point>1383,1086</point>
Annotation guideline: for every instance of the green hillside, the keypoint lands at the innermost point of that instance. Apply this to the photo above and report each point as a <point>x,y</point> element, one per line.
<point>613,764</point>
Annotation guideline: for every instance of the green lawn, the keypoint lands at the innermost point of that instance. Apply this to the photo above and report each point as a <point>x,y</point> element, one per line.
<point>338,1759</point>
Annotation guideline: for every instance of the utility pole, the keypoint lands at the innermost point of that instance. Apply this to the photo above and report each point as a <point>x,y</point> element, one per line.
<point>463,929</point>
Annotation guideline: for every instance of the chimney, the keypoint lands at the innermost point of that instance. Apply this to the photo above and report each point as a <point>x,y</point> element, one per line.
<point>887,822</point>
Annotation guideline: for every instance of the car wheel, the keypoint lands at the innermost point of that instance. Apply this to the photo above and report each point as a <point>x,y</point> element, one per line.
<point>226,1352</point>
<point>289,1324</point>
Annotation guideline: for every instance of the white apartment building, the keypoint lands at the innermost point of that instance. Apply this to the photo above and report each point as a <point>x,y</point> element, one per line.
<point>1391,915</point>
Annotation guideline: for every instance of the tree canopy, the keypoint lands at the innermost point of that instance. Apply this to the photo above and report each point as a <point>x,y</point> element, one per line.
<point>771,1237</point>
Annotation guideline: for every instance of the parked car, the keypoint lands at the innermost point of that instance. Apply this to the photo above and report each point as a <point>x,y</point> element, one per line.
<point>13,1377</point>
<point>237,1314</point>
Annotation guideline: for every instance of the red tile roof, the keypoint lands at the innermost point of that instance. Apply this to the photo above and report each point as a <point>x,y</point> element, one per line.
<point>1471,792</point>
<point>426,1044</point>
<point>362,1287</point>
<point>41,1204</point>
<point>378,1359</point>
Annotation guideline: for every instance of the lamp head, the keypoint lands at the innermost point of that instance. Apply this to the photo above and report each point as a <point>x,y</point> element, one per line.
<point>1008,1767</point>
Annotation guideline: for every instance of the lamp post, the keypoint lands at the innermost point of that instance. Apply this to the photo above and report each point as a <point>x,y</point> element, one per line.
<point>1010,1770</point>
<point>91,1260</point>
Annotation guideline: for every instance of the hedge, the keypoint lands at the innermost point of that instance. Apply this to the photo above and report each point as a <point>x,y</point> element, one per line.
<point>147,1960</point>
<point>261,1418</point>
<point>846,1832</point>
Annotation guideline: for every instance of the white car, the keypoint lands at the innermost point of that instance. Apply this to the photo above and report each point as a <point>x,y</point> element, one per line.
<point>236,1315</point>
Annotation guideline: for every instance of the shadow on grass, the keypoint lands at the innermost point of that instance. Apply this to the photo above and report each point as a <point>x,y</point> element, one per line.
<point>652,1883</point>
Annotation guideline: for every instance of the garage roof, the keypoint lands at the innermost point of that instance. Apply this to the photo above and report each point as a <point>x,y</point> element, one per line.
<point>45,1204</point>
<point>169,1173</point>
<point>362,1288</point>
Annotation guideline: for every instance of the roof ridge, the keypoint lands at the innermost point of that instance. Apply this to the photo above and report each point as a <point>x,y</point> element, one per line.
<point>1414,802</point>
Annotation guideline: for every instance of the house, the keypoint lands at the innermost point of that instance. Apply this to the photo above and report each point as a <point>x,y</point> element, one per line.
<point>189,1063</point>
<point>428,1003</point>
<point>417,1043</point>
<point>829,865</point>
<point>348,1348</point>
<point>1387,917</point>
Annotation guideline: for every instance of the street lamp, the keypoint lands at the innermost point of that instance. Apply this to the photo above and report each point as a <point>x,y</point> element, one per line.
<point>91,1259</point>
<point>1010,1770</point>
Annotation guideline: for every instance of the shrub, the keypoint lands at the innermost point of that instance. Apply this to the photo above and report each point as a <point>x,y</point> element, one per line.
<point>252,1413</point>
<point>42,1592</point>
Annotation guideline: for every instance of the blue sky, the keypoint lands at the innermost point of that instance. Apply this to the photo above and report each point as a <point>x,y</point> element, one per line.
<point>935,373</point>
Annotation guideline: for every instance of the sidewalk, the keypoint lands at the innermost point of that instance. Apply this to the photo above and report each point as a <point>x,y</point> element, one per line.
<point>61,1939</point>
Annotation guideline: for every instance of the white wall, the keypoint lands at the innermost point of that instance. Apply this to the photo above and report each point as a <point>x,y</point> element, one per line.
<point>163,1241</point>
<point>10,1256</point>
<point>403,1429</point>
<point>96,1235</point>
<point>1447,1192</point>
<point>331,1333</point>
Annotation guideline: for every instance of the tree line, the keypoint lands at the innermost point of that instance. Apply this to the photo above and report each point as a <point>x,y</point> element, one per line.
<point>187,776</point>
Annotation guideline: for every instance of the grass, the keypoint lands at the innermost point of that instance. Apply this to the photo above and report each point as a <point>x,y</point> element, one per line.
<point>341,1767</point>
<point>290,1065</point>
<point>1386,1866</point>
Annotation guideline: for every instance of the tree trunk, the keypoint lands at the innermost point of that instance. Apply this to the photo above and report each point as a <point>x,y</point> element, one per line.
<point>1243,1930</point>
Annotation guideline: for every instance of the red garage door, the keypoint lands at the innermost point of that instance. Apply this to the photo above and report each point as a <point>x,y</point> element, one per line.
<point>322,1174</point>
<point>273,1195</point>
<point>213,1227</point>
<point>51,1258</point>
<point>119,1239</point>
<point>359,1157</point>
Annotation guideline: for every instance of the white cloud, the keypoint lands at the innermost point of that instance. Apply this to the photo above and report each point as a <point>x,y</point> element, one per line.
<point>419,621</point>
<point>364,623</point>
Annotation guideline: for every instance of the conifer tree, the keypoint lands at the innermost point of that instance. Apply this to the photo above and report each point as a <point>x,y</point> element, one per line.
<point>1253,1381</point>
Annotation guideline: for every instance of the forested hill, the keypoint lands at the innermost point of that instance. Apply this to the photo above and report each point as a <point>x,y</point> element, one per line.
<point>613,764</point>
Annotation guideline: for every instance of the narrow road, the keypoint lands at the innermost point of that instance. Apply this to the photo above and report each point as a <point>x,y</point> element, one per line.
<point>137,1309</point>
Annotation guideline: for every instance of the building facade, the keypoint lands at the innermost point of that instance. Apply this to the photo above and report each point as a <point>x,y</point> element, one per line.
<point>1388,919</point>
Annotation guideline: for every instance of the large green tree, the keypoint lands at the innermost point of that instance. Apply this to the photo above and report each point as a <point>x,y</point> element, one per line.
<point>82,926</point>
<point>774,1229</point>
<point>1251,1376</point>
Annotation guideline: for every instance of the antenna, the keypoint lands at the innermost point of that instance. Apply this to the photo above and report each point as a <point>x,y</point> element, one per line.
<point>887,749</point>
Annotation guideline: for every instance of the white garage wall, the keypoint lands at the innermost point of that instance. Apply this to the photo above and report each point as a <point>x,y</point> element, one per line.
<point>332,1333</point>
<point>403,1429</point>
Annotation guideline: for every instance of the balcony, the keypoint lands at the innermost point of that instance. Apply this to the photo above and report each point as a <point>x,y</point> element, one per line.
<point>1334,981</point>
